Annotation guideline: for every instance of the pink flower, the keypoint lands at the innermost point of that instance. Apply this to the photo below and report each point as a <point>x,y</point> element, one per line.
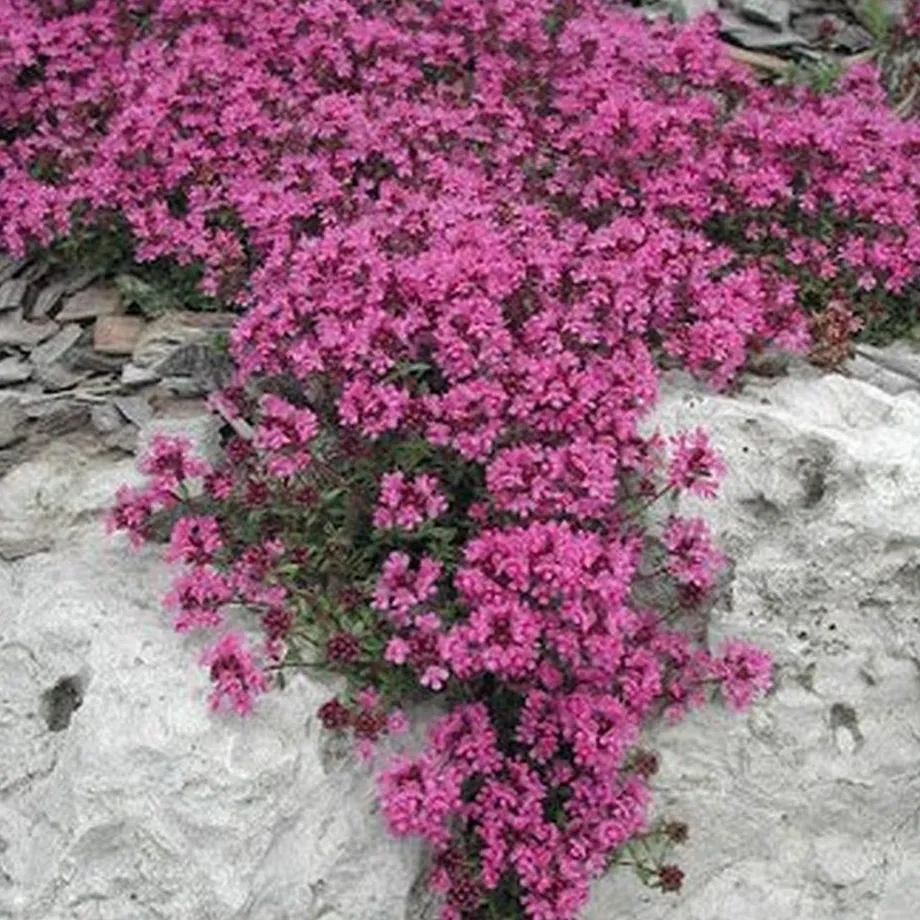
<point>368,698</point>
<point>194,540</point>
<point>434,677</point>
<point>406,504</point>
<point>397,722</point>
<point>397,651</point>
<point>284,435</point>
<point>692,559</point>
<point>236,678</point>
<point>132,513</point>
<point>695,467</point>
<point>744,672</point>
<point>399,588</point>
<point>197,597</point>
<point>169,461</point>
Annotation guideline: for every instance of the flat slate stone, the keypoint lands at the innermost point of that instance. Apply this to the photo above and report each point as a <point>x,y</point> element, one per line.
<point>8,268</point>
<point>77,281</point>
<point>58,346</point>
<point>13,422</point>
<point>134,376</point>
<point>117,335</point>
<point>106,418</point>
<point>55,378</point>
<point>14,370</point>
<point>135,409</point>
<point>16,333</point>
<point>172,331</point>
<point>773,13</point>
<point>13,295</point>
<point>48,298</point>
<point>91,303</point>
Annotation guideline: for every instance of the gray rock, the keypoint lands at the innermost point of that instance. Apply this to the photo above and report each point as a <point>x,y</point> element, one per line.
<point>773,13</point>
<point>13,548</point>
<point>692,9</point>
<point>79,280</point>
<point>134,376</point>
<point>48,298</point>
<point>13,295</point>
<point>198,361</point>
<point>13,370</point>
<point>8,268</point>
<point>891,382</point>
<point>54,378</point>
<point>106,419</point>
<point>15,332</point>
<point>13,422</point>
<point>92,302</point>
<point>83,358</point>
<point>124,440</point>
<point>135,409</point>
<point>181,345</point>
<point>901,358</point>
<point>35,272</point>
<point>57,346</point>
<point>185,387</point>
<point>59,416</point>
<point>852,39</point>
<point>759,37</point>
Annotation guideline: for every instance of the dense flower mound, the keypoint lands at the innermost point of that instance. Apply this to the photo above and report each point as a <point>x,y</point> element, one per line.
<point>477,226</point>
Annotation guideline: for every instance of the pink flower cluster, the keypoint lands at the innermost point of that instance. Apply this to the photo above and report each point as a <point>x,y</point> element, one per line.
<point>407,504</point>
<point>478,226</point>
<point>284,434</point>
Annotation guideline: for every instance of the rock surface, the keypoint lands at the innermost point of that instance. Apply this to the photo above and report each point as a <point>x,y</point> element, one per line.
<point>810,806</point>
<point>123,799</point>
<point>64,335</point>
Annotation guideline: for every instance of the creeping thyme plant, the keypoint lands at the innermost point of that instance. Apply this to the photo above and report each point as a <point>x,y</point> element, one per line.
<point>462,236</point>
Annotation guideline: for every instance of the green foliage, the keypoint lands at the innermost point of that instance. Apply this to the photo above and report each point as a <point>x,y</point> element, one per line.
<point>107,249</point>
<point>822,75</point>
<point>876,19</point>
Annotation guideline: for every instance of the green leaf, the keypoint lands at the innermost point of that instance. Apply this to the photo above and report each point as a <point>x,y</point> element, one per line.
<point>875,18</point>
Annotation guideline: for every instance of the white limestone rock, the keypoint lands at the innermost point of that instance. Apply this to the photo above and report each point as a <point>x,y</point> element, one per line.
<point>808,807</point>
<point>141,804</point>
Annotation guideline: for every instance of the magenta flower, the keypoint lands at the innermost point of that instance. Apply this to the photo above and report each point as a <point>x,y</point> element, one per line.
<point>692,558</point>
<point>406,504</point>
<point>695,467</point>
<point>170,463</point>
<point>744,672</point>
<point>237,680</point>
<point>194,540</point>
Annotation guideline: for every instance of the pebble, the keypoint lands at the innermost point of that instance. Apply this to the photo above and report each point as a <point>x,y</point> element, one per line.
<point>57,346</point>
<point>14,370</point>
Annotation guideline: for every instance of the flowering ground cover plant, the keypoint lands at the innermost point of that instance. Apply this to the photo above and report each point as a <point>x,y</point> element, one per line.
<point>462,234</point>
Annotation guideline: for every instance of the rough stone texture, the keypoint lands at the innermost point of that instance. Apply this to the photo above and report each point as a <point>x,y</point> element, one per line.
<point>91,303</point>
<point>117,335</point>
<point>161,340</point>
<point>58,345</point>
<point>123,799</point>
<point>16,333</point>
<point>14,370</point>
<point>810,806</point>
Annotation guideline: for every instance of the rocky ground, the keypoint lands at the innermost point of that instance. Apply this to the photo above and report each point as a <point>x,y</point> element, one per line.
<point>76,362</point>
<point>792,29</point>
